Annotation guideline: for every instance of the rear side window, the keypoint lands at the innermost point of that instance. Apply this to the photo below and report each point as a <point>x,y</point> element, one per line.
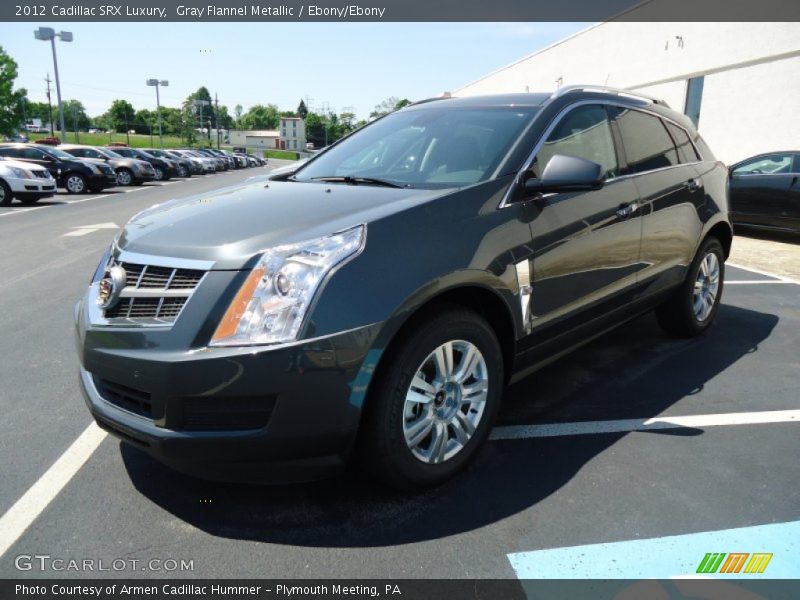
<point>647,144</point>
<point>686,150</point>
<point>33,154</point>
<point>13,152</point>
<point>584,132</point>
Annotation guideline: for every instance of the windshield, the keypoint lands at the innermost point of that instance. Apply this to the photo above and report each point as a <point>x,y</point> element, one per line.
<point>108,153</point>
<point>60,154</point>
<point>428,148</point>
<point>143,154</point>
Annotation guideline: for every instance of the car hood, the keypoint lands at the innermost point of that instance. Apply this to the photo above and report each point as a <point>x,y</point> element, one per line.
<point>228,226</point>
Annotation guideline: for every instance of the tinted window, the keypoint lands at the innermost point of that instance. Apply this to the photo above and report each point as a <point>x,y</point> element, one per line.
<point>686,150</point>
<point>584,132</point>
<point>772,164</point>
<point>647,144</point>
<point>14,152</point>
<point>32,153</point>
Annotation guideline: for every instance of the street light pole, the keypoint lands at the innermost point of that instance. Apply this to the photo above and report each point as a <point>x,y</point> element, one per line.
<point>156,83</point>
<point>49,34</point>
<point>201,104</point>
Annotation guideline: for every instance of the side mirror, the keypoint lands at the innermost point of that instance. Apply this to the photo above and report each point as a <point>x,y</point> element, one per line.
<point>567,174</point>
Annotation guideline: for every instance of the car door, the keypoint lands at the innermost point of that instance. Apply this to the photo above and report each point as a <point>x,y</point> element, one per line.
<point>586,244</point>
<point>671,194</point>
<point>761,189</point>
<point>38,157</point>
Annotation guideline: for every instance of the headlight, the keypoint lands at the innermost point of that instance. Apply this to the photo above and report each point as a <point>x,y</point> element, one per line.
<point>97,169</point>
<point>100,271</point>
<point>272,302</point>
<point>21,173</point>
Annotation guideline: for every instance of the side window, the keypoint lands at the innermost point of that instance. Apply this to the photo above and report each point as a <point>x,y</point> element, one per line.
<point>772,164</point>
<point>33,154</point>
<point>648,146</point>
<point>686,150</point>
<point>79,152</point>
<point>584,132</point>
<point>11,152</point>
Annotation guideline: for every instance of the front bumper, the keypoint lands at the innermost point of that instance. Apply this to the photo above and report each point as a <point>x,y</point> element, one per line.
<point>97,181</point>
<point>256,414</point>
<point>31,188</point>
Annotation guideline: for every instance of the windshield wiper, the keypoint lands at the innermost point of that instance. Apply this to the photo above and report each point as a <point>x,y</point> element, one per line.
<point>358,180</point>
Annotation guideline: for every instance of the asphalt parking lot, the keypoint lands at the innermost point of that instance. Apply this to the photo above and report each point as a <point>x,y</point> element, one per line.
<point>618,460</point>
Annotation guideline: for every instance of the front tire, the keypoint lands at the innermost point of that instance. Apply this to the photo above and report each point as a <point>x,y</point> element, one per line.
<point>435,401</point>
<point>124,177</point>
<point>75,183</point>
<point>159,173</point>
<point>692,308</point>
<point>5,194</point>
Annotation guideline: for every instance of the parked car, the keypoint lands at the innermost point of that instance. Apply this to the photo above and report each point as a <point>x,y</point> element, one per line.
<point>183,165</point>
<point>128,171</point>
<point>17,137</point>
<point>75,175</point>
<point>163,168</point>
<point>25,182</point>
<point>249,160</point>
<point>221,163</point>
<point>765,191</point>
<point>230,162</point>
<point>375,304</point>
<point>261,160</point>
<point>207,164</point>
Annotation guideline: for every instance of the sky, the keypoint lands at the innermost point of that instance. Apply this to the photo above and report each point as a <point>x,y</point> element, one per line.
<point>340,66</point>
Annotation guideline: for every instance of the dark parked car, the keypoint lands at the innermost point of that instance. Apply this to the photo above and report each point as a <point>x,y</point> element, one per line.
<point>75,175</point>
<point>163,168</point>
<point>765,191</point>
<point>183,165</point>
<point>376,303</point>
<point>129,171</point>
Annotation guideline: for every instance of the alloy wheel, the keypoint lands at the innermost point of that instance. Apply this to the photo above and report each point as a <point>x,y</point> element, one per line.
<point>124,178</point>
<point>75,184</point>
<point>706,287</point>
<point>445,401</point>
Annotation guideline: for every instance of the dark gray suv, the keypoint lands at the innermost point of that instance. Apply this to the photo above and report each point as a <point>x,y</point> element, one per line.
<point>375,303</point>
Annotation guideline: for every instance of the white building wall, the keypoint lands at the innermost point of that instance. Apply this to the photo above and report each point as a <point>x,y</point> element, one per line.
<point>752,80</point>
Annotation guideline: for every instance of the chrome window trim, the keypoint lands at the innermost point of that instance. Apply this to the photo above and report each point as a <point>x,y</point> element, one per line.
<point>604,102</point>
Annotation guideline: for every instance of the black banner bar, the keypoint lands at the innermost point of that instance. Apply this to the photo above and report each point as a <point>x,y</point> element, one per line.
<point>740,588</point>
<point>396,10</point>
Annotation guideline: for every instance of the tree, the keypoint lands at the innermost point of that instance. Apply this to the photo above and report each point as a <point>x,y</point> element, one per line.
<point>315,129</point>
<point>261,117</point>
<point>121,115</point>
<point>195,111</point>
<point>75,114</point>
<point>10,99</point>
<point>391,104</point>
<point>237,114</point>
<point>225,119</point>
<point>302,109</point>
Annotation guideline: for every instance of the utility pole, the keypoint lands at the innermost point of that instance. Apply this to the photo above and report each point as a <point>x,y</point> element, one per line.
<point>216,116</point>
<point>127,135</point>
<point>24,117</point>
<point>50,105</point>
<point>75,124</point>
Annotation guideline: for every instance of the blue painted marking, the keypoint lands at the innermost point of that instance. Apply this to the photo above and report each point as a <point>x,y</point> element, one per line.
<point>665,557</point>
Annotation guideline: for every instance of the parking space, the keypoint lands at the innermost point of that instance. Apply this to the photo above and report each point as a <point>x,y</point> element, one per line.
<point>636,437</point>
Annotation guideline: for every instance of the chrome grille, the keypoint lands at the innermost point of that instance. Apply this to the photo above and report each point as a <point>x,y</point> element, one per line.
<point>153,294</point>
<point>42,174</point>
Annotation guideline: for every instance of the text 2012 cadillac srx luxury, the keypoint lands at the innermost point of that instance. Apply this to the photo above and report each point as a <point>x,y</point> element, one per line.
<point>374,304</point>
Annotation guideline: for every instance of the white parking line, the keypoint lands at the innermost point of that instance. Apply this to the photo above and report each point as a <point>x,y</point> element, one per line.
<point>25,510</point>
<point>765,273</point>
<point>757,282</point>
<point>519,432</point>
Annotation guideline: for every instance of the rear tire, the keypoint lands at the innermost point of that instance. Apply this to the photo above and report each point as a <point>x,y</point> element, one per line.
<point>434,402</point>
<point>693,306</point>
<point>5,194</point>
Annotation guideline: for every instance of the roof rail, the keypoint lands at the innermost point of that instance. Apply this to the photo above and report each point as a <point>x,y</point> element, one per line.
<point>607,90</point>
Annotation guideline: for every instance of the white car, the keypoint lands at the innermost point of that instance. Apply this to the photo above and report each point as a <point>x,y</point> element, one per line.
<point>24,181</point>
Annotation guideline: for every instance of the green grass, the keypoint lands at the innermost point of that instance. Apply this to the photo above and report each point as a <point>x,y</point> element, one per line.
<point>284,154</point>
<point>104,139</point>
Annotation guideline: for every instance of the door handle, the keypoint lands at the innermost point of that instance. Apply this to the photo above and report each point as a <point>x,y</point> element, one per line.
<point>694,184</point>
<point>626,210</point>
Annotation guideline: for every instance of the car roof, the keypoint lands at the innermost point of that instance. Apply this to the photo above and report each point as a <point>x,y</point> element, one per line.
<point>488,101</point>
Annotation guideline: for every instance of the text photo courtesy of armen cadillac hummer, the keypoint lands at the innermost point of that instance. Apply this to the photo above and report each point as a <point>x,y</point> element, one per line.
<point>321,312</point>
